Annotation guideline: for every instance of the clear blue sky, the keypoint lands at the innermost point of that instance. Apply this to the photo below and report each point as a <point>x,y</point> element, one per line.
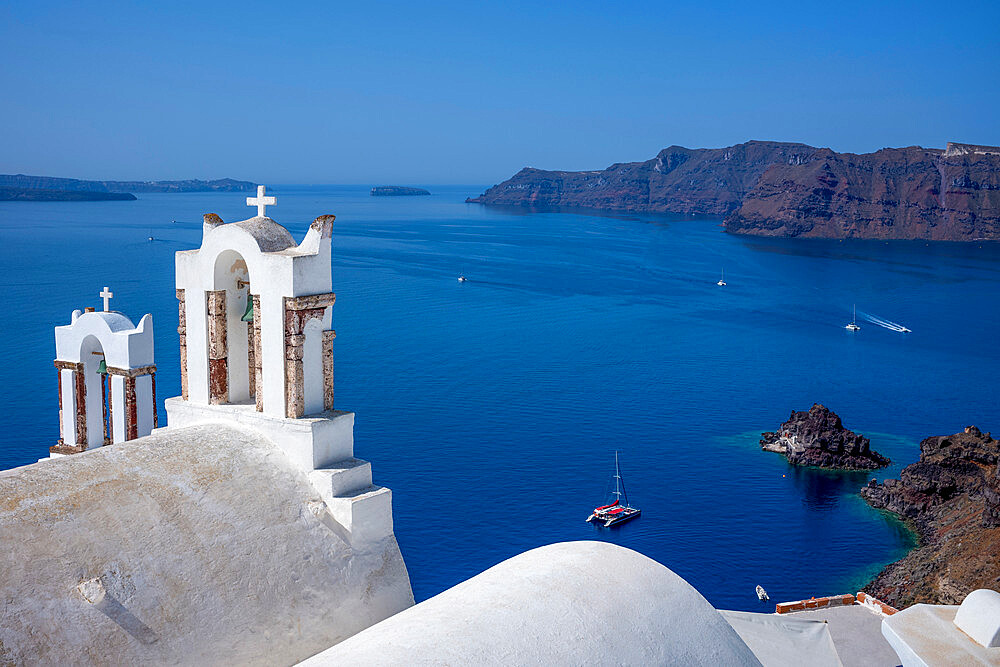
<point>412,92</point>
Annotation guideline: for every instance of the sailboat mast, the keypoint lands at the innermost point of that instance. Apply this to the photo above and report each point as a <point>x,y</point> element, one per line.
<point>619,480</point>
<point>618,492</point>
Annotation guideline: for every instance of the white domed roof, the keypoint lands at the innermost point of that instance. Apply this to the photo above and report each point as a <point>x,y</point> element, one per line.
<point>270,236</point>
<point>567,603</point>
<point>116,321</point>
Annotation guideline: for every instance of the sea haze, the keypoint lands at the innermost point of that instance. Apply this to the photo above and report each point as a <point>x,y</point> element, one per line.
<point>493,408</point>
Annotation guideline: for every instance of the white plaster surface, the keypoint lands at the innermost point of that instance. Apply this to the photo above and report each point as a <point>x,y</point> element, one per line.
<point>211,548</point>
<point>979,617</point>
<point>571,603</point>
<point>856,630</point>
<point>926,635</point>
<point>365,513</point>
<point>348,475</point>
<point>781,641</point>
<point>312,442</point>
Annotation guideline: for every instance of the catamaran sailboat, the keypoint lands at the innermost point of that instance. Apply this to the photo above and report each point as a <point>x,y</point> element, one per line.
<point>615,513</point>
<point>853,326</point>
<point>722,280</point>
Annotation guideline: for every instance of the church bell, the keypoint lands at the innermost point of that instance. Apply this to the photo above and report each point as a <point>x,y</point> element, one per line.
<point>248,315</point>
<point>102,368</point>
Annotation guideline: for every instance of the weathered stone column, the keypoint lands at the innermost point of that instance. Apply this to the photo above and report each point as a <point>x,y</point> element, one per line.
<point>298,311</point>
<point>218,366</point>
<point>105,417</point>
<point>251,364</point>
<point>80,384</point>
<point>62,427</point>
<point>156,419</point>
<point>131,415</point>
<point>79,388</point>
<point>182,335</point>
<point>258,368</point>
<point>328,337</point>
<point>110,403</point>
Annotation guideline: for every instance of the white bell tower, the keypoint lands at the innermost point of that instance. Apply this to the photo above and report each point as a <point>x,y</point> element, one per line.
<point>256,348</point>
<point>107,379</point>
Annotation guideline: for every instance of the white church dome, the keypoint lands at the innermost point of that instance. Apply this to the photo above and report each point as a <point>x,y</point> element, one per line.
<point>568,603</point>
<point>270,236</point>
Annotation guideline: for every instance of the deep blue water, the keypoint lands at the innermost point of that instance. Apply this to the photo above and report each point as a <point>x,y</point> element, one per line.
<point>493,408</point>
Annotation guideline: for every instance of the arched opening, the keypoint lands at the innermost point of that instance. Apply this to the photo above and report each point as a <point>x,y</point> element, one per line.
<point>312,367</point>
<point>233,289</point>
<point>97,401</point>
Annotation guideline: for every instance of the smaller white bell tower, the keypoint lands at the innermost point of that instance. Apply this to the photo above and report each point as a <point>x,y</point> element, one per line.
<point>107,379</point>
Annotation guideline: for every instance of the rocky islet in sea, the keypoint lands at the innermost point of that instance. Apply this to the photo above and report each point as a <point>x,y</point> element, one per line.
<point>817,437</point>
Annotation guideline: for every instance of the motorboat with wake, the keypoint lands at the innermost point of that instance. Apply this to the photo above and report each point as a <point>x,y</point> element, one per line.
<point>762,594</point>
<point>615,513</point>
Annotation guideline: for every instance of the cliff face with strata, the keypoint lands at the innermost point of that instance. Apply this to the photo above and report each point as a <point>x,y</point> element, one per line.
<point>787,189</point>
<point>952,497</point>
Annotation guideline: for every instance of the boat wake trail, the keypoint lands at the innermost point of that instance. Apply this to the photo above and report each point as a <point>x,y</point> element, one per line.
<point>887,324</point>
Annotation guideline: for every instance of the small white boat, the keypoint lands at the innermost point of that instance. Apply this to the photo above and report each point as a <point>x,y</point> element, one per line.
<point>762,594</point>
<point>722,280</point>
<point>462,279</point>
<point>853,326</point>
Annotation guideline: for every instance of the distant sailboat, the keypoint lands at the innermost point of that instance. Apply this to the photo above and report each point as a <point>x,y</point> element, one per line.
<point>462,279</point>
<point>722,280</point>
<point>615,513</point>
<point>853,326</point>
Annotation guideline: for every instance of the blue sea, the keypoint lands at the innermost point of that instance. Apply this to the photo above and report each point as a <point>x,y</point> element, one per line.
<point>493,408</point>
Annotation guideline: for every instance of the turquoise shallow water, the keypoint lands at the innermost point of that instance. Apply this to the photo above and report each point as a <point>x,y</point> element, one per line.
<point>493,408</point>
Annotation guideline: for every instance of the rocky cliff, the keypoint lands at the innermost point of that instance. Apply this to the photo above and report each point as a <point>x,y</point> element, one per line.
<point>25,194</point>
<point>76,185</point>
<point>951,496</point>
<point>818,438</point>
<point>786,189</point>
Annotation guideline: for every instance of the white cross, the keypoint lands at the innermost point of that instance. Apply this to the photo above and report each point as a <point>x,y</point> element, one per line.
<point>261,202</point>
<point>106,295</point>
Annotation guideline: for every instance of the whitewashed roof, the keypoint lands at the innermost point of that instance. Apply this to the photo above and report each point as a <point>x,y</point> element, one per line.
<point>572,603</point>
<point>207,547</point>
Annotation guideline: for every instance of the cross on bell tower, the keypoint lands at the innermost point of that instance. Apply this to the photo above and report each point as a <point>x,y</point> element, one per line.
<point>106,295</point>
<point>261,202</point>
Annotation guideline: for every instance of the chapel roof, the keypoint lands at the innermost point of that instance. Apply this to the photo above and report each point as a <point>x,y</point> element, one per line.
<point>568,603</point>
<point>208,545</point>
<point>116,321</point>
<point>270,236</point>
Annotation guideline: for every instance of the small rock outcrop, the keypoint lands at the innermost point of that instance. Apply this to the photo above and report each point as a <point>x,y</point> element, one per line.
<point>951,496</point>
<point>397,191</point>
<point>818,438</point>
